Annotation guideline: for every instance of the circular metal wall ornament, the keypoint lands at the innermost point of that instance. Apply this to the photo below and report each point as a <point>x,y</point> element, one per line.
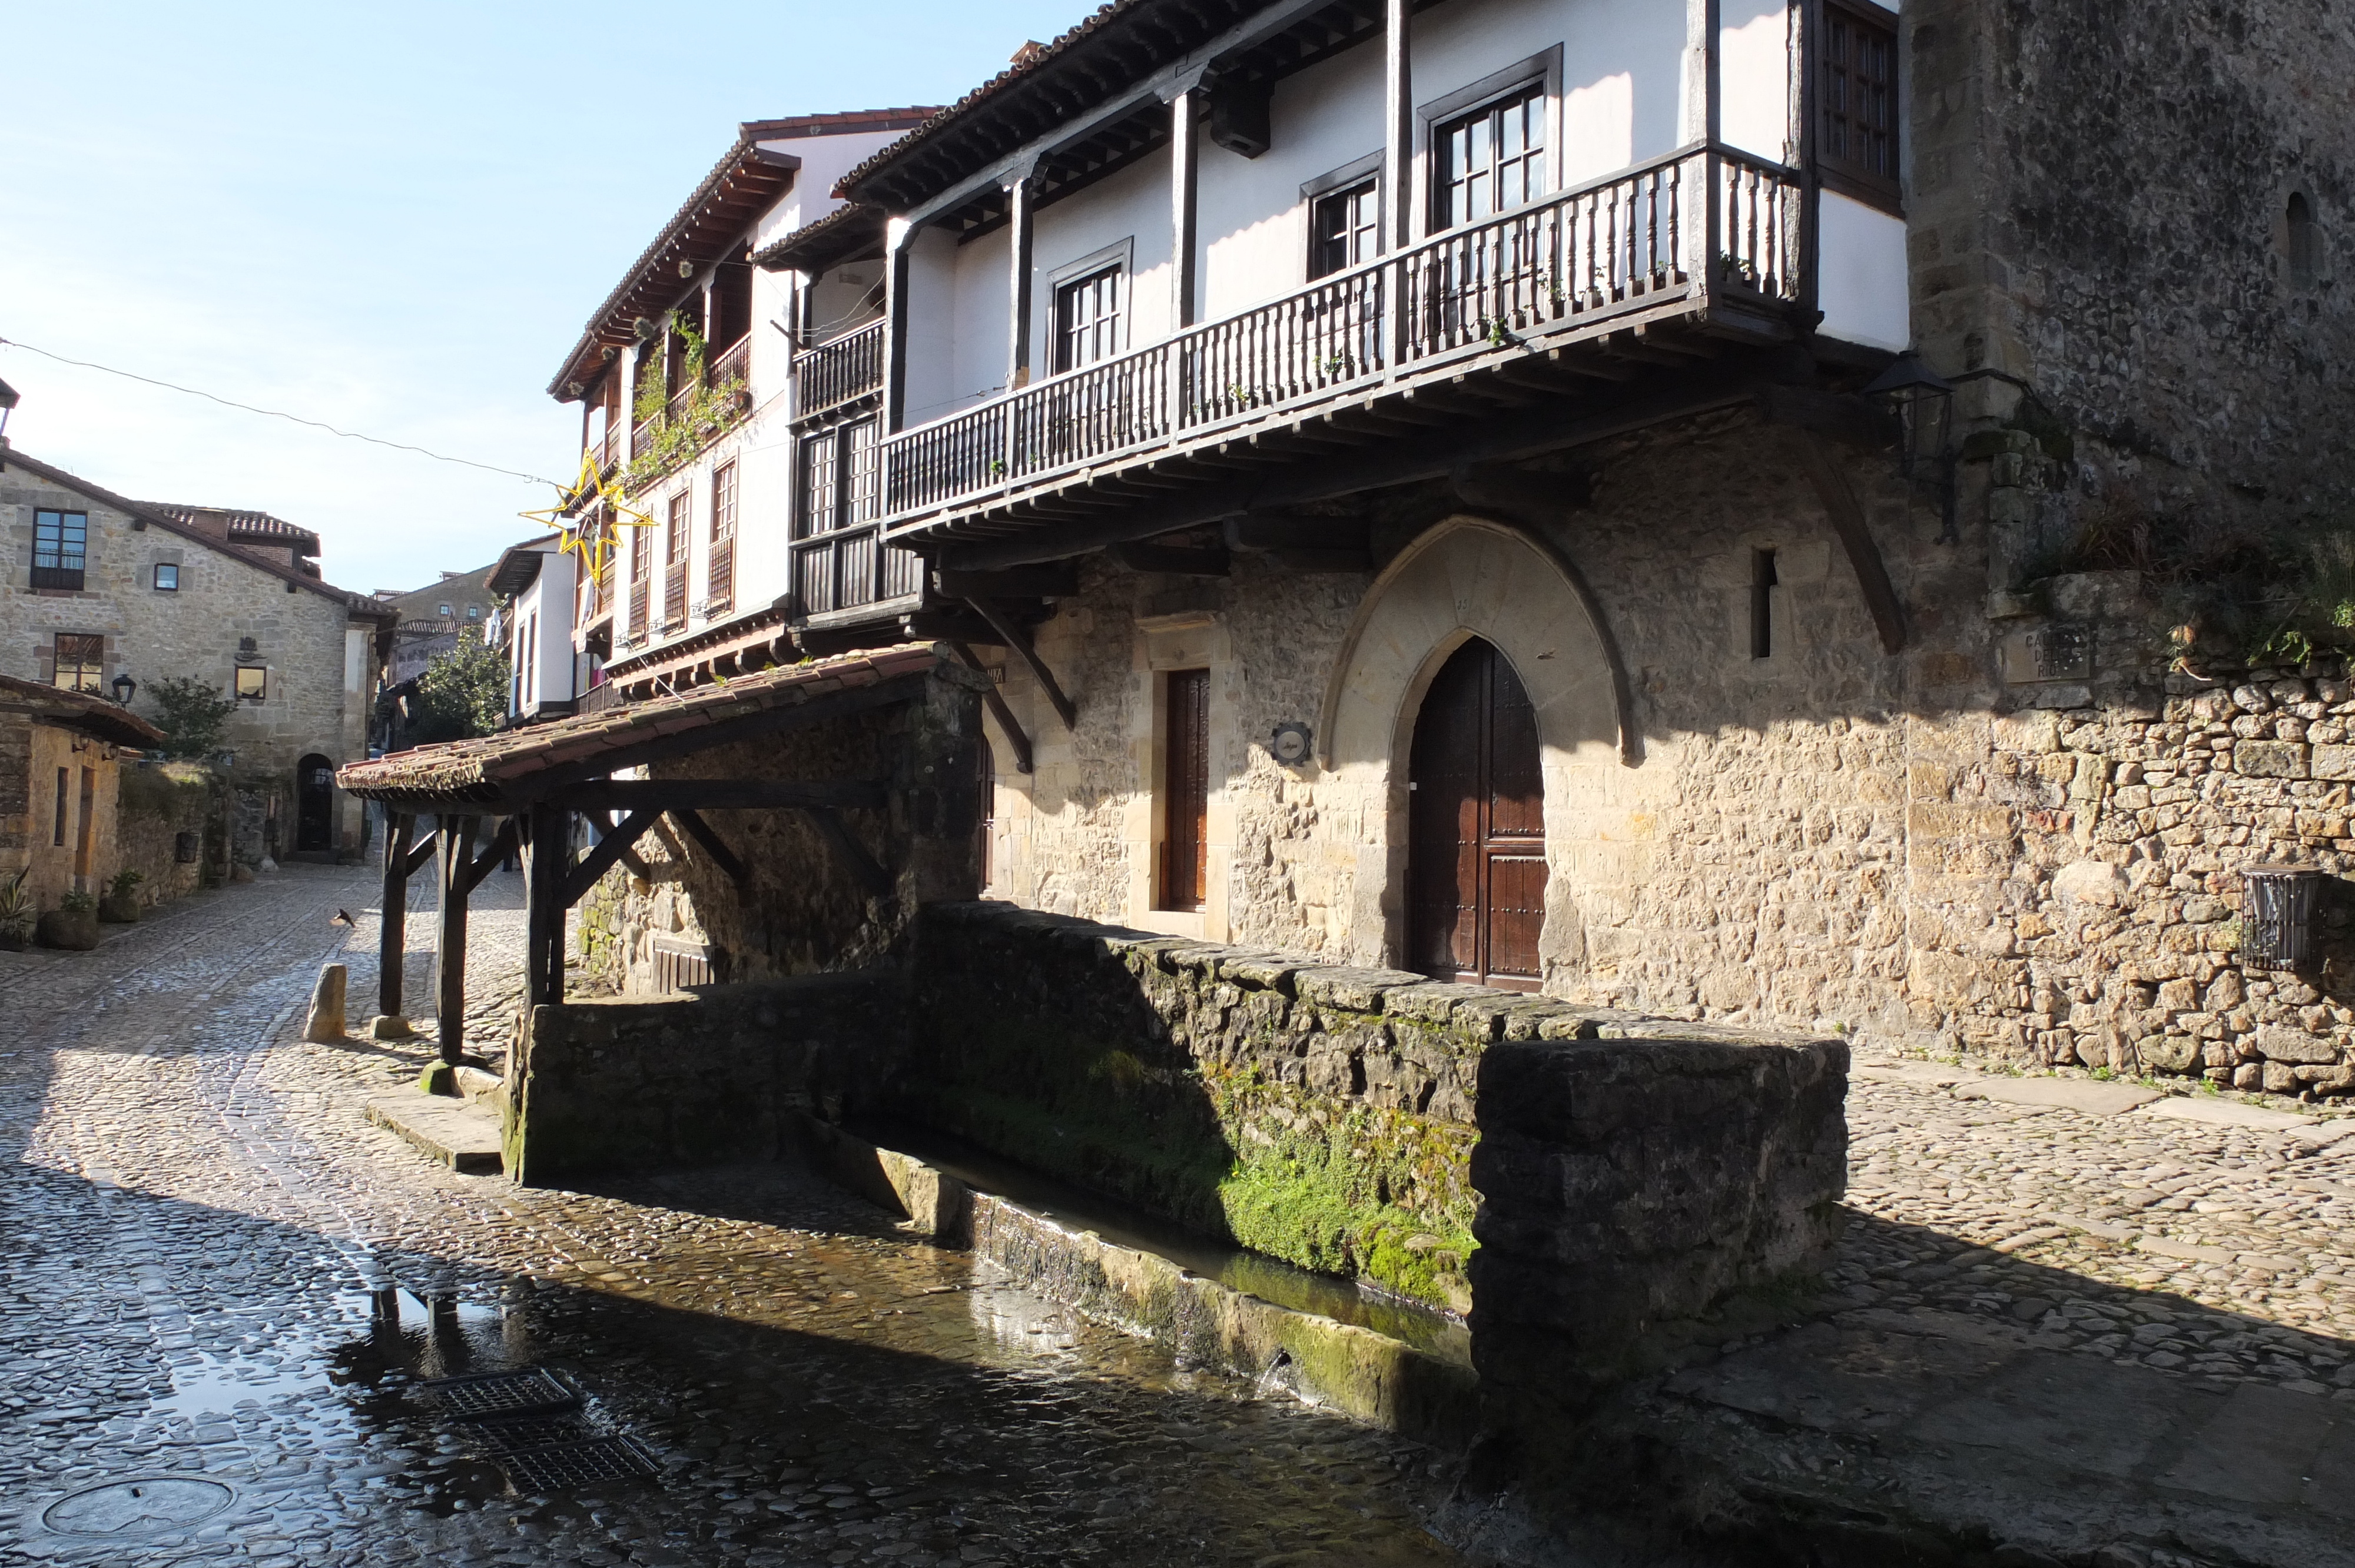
<point>140,1505</point>
<point>1290,745</point>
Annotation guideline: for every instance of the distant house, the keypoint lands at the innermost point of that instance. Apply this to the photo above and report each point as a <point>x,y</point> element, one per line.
<point>536,582</point>
<point>108,597</point>
<point>429,619</point>
<point>59,755</point>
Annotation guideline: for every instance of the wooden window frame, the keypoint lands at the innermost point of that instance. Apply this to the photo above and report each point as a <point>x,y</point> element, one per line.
<point>1838,173</point>
<point>89,658</point>
<point>157,577</point>
<point>719,565</point>
<point>1325,188</point>
<point>678,552</point>
<point>66,571</point>
<point>1064,283</point>
<point>1541,73</point>
<point>1186,892</point>
<point>57,833</point>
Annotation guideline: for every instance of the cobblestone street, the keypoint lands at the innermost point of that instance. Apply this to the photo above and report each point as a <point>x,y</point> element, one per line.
<point>214,1265</point>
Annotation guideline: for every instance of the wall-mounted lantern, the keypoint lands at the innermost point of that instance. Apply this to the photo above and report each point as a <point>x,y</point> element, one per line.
<point>1924,404</point>
<point>125,688</point>
<point>2277,916</point>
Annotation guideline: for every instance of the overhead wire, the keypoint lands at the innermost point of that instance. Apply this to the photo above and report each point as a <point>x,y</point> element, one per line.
<point>280,414</point>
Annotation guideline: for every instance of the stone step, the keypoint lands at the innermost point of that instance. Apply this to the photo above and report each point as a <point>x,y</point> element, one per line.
<point>488,1090</point>
<point>456,1132</point>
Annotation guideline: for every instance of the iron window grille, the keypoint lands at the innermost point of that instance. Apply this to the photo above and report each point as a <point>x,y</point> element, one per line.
<point>60,549</point>
<point>2277,922</point>
<point>81,661</point>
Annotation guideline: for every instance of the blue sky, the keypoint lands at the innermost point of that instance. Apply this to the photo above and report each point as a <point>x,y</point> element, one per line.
<point>391,219</point>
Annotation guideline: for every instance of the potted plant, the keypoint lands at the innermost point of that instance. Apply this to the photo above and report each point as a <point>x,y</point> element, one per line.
<point>72,925</point>
<point>16,913</point>
<point>121,905</point>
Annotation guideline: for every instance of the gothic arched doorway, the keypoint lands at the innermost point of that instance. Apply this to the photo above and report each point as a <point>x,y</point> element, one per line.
<point>315,805</point>
<point>1476,826</point>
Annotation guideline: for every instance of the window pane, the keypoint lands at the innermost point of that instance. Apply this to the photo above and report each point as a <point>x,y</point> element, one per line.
<point>167,577</point>
<point>1492,159</point>
<point>252,682</point>
<point>1341,229</point>
<point>80,662</point>
<point>1087,318</point>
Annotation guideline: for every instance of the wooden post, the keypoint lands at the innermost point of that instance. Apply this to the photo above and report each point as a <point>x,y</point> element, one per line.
<point>1398,126</point>
<point>1701,112</point>
<point>393,940</point>
<point>1019,189</point>
<point>900,236</point>
<point>453,859</point>
<point>547,848</point>
<point>1184,159</point>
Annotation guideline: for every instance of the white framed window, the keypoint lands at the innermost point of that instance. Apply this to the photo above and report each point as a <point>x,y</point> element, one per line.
<point>1090,305</point>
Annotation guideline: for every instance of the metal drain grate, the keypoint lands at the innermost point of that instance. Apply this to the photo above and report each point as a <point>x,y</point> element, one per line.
<point>563,1466</point>
<point>531,1392</point>
<point>513,1435</point>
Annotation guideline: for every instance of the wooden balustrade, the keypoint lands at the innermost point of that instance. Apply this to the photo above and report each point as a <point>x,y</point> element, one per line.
<point>734,365</point>
<point>838,372</point>
<point>1695,224</point>
<point>850,567</point>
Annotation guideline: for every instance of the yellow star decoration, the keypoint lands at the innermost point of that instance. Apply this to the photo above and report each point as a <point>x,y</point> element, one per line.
<point>589,485</point>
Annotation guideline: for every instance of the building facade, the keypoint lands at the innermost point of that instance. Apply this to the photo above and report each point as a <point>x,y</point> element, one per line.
<point>108,597</point>
<point>1444,487</point>
<point>538,585</point>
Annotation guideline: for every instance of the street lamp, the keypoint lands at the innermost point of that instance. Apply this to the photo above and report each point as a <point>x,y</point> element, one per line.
<point>125,688</point>
<point>1924,404</point>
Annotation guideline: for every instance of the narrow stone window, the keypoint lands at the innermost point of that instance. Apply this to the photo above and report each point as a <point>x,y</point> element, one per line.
<point>58,838</point>
<point>1761,604</point>
<point>2302,242</point>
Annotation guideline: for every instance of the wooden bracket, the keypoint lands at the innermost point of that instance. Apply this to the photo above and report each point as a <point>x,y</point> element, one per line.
<point>1016,638</point>
<point>1855,537</point>
<point>713,845</point>
<point>419,854</point>
<point>871,876</point>
<point>1171,560</point>
<point>992,699</point>
<point>502,844</point>
<point>610,850</point>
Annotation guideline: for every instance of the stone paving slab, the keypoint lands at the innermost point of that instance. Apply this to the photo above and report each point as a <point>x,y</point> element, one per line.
<point>456,1132</point>
<point>2083,1094</point>
<point>2220,1112</point>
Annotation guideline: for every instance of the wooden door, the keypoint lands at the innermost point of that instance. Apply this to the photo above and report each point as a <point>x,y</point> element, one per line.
<point>1186,791</point>
<point>1475,827</point>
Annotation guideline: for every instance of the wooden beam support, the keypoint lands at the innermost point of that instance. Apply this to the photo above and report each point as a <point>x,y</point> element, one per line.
<point>609,850</point>
<point>392,933</point>
<point>453,838</point>
<point>863,867</point>
<point>419,854</point>
<point>995,700</point>
<point>1847,522</point>
<point>1171,561</point>
<point>1276,532</point>
<point>1060,581</point>
<point>1018,639</point>
<point>713,845</point>
<point>503,843</point>
<point>1517,490</point>
<point>716,794</point>
<point>1854,422</point>
<point>548,845</point>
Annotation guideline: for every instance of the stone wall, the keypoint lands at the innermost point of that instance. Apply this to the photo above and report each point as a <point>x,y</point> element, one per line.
<point>607,1086</point>
<point>158,802</point>
<point>805,910</point>
<point>38,833</point>
<point>1328,1115</point>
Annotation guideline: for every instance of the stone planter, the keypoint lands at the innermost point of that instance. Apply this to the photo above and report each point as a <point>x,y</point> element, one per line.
<point>119,911</point>
<point>13,940</point>
<point>75,930</point>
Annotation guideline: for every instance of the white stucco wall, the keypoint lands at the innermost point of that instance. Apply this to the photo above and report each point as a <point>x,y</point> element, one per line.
<point>1867,295</point>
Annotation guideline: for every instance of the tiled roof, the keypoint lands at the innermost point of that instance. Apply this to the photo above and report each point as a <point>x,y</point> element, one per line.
<point>108,720</point>
<point>513,766</point>
<point>837,236</point>
<point>246,527</point>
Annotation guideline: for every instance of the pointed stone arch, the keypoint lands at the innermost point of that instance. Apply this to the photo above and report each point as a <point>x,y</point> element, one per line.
<point>1471,576</point>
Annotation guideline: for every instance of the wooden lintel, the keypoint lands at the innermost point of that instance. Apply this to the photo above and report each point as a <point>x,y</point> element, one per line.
<point>863,867</point>
<point>713,845</point>
<point>995,700</point>
<point>602,858</point>
<point>1019,639</point>
<point>1856,538</point>
<point>716,794</point>
<point>1171,560</point>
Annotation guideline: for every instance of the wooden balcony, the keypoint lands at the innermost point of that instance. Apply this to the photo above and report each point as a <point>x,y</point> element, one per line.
<point>843,371</point>
<point>853,569</point>
<point>1709,238</point>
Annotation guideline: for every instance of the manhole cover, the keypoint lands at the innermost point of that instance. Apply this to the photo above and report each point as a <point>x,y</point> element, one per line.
<point>532,1391</point>
<point>143,1505</point>
<point>564,1466</point>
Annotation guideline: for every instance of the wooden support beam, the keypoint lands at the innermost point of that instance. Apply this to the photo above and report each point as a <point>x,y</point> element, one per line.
<point>863,867</point>
<point>1263,531</point>
<point>1018,639</point>
<point>393,935</point>
<point>1059,581</point>
<point>713,845</point>
<point>1855,537</point>
<point>1171,560</point>
<point>608,851</point>
<point>547,846</point>
<point>1854,422</point>
<point>995,700</point>
<point>1512,489</point>
<point>453,838</point>
<point>419,854</point>
<point>716,794</point>
<point>503,843</point>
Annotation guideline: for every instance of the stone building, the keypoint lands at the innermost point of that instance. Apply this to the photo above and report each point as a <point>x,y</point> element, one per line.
<point>1446,487</point>
<point>429,620</point>
<point>107,595</point>
<point>61,758</point>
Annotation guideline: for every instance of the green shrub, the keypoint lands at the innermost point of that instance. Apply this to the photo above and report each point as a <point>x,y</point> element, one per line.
<point>194,717</point>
